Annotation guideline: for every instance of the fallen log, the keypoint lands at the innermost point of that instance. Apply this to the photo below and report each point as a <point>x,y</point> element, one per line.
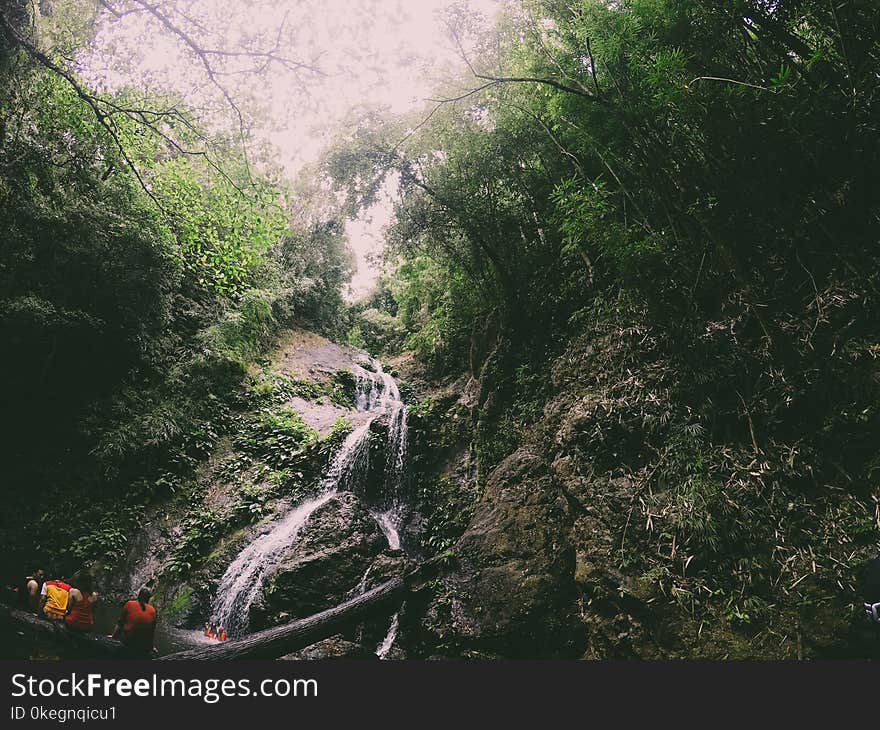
<point>93,643</point>
<point>280,640</point>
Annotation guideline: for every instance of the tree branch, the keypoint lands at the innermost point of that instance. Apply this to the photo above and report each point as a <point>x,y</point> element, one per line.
<point>118,13</point>
<point>103,119</point>
<point>493,80</point>
<point>200,54</point>
<point>467,94</point>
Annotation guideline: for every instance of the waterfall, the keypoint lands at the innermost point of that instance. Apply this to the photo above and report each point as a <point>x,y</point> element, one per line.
<point>366,391</point>
<point>376,393</point>
<point>246,575</point>
<point>390,515</point>
<point>389,519</point>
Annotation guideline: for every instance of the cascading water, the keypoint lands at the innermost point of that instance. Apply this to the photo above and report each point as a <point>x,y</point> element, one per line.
<point>366,392</point>
<point>241,584</point>
<point>246,575</point>
<point>390,518</point>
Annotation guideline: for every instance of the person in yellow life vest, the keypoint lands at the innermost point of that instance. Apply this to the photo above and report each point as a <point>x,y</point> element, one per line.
<point>53,599</point>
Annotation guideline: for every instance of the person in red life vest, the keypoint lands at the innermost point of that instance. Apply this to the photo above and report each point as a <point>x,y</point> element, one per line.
<point>207,629</point>
<point>81,602</point>
<point>221,633</point>
<point>211,633</point>
<point>53,599</point>
<point>136,627</point>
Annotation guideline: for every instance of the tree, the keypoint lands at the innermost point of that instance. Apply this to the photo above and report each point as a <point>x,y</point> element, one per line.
<point>187,29</point>
<point>684,190</point>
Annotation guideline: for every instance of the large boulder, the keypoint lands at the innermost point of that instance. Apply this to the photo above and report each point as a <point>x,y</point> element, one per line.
<point>334,551</point>
<point>513,594</point>
<point>336,647</point>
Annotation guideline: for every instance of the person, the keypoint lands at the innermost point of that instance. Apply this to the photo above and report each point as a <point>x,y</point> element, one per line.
<point>207,629</point>
<point>81,606</point>
<point>136,627</point>
<point>871,589</point>
<point>29,591</point>
<point>53,599</point>
<point>221,633</point>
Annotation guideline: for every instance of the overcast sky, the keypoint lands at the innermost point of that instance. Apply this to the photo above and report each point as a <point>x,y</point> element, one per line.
<point>389,53</point>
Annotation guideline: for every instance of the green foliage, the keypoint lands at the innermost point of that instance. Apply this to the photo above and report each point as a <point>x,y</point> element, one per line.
<point>316,262</point>
<point>188,407</point>
<point>221,235</point>
<point>376,331</point>
<point>87,265</point>
<point>448,514</point>
<point>108,540</point>
<point>132,305</point>
<point>179,604</point>
<point>434,312</point>
<point>268,386</point>
<point>251,505</point>
<point>245,331</point>
<point>277,436</point>
<point>674,245</point>
<point>340,429</point>
<point>343,387</point>
<point>200,531</point>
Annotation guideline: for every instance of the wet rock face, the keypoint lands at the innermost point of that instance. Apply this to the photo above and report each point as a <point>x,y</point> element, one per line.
<point>388,565</point>
<point>336,647</point>
<point>514,592</point>
<point>374,487</point>
<point>339,543</point>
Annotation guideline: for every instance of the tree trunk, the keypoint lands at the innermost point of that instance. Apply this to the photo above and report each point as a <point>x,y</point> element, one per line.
<point>280,640</point>
<point>269,644</point>
<point>91,643</point>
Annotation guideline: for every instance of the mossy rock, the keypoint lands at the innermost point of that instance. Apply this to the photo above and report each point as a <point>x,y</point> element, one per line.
<point>178,606</point>
<point>344,388</point>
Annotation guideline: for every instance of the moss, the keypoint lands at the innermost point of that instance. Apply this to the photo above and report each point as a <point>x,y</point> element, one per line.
<point>343,388</point>
<point>224,544</point>
<point>176,607</point>
<point>308,389</point>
